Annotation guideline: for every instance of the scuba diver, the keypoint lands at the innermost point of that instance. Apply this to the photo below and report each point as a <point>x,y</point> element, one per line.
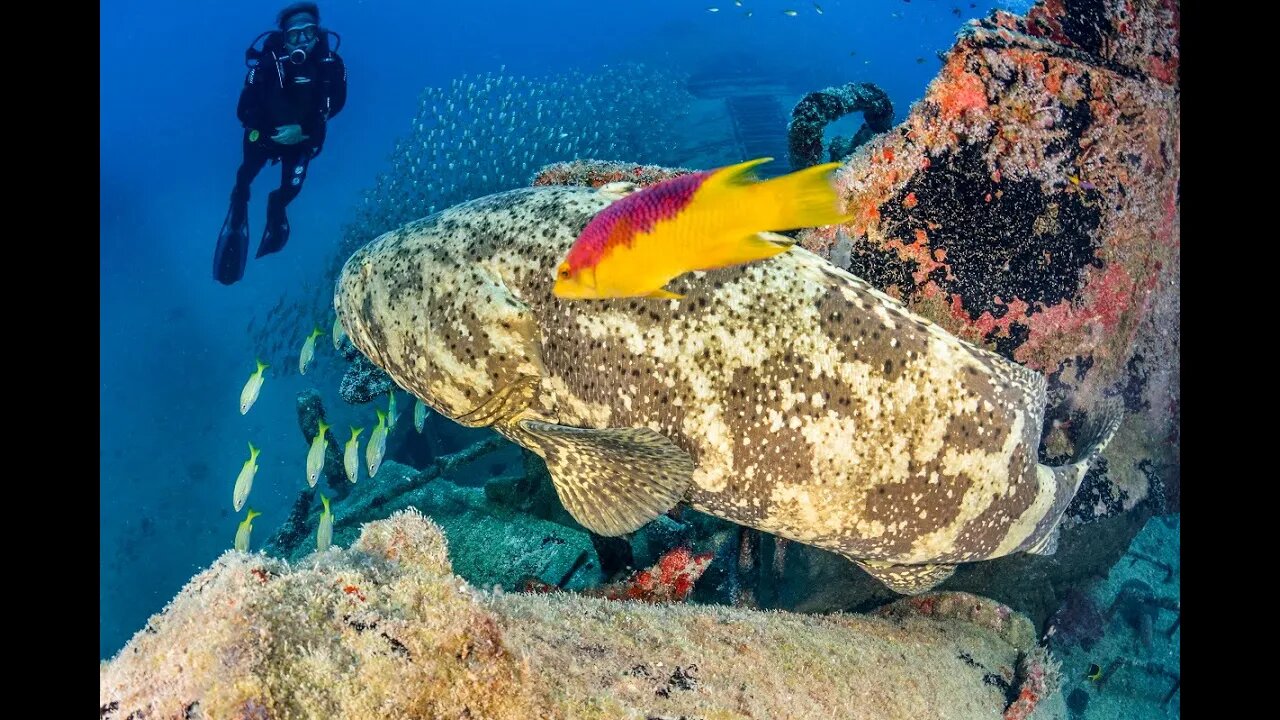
<point>296,84</point>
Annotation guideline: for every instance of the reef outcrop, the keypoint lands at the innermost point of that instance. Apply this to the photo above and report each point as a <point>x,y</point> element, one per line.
<point>384,629</point>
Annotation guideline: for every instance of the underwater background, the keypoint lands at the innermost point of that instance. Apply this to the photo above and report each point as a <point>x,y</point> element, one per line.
<point>176,347</point>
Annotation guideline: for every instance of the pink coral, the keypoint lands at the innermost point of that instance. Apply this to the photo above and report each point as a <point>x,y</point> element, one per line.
<point>1040,677</point>
<point>670,580</point>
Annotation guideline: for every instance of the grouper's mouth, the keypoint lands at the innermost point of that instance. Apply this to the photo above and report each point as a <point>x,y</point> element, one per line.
<point>506,402</point>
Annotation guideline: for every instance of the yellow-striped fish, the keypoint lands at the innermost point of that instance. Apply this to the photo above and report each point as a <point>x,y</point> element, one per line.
<point>391,409</point>
<point>377,446</point>
<point>324,535</point>
<point>246,527</point>
<point>244,481</point>
<point>249,395</point>
<point>315,456</point>
<point>308,351</point>
<point>338,332</point>
<point>699,221</point>
<point>419,415</point>
<point>351,456</point>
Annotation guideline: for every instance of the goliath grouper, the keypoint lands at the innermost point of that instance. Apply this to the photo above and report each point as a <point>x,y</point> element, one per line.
<point>786,394</point>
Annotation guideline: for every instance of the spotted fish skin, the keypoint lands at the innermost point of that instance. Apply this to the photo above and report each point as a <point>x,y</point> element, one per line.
<point>814,406</point>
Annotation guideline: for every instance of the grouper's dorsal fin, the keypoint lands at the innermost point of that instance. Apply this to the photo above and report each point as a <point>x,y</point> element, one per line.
<point>907,579</point>
<point>615,480</point>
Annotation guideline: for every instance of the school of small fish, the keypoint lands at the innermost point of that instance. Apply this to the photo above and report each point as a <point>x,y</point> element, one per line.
<point>490,131</point>
<point>375,450</point>
<point>788,12</point>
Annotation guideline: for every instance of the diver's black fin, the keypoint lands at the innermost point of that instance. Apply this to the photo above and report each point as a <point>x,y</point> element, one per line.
<point>276,234</point>
<point>232,253</point>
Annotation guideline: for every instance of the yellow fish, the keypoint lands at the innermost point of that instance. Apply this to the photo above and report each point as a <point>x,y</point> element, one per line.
<point>246,527</point>
<point>419,415</point>
<point>249,395</point>
<point>699,221</point>
<point>792,13</point>
<point>315,455</point>
<point>338,332</point>
<point>308,351</point>
<point>244,481</point>
<point>377,446</point>
<point>324,535</point>
<point>351,457</point>
<point>391,410</point>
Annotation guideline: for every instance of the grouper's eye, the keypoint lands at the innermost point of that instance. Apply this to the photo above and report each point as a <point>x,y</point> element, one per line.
<point>563,272</point>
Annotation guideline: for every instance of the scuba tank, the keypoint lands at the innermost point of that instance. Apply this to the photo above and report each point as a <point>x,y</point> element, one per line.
<point>326,74</point>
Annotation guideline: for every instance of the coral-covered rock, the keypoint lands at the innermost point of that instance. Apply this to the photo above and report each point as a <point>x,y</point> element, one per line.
<point>1038,679</point>
<point>595,173</point>
<point>385,630</point>
<point>997,617</point>
<point>363,381</point>
<point>817,109</point>
<point>1029,203</point>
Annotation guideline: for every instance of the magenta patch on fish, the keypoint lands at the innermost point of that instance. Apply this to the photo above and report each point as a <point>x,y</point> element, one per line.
<point>638,212</point>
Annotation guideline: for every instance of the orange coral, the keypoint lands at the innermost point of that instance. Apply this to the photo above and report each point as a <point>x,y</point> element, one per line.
<point>963,90</point>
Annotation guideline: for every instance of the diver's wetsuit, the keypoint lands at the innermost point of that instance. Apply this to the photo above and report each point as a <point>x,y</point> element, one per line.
<point>277,92</point>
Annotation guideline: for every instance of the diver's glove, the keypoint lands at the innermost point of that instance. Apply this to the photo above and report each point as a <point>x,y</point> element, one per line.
<point>289,135</point>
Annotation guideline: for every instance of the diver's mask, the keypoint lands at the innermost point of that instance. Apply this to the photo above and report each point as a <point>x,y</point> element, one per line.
<point>301,40</point>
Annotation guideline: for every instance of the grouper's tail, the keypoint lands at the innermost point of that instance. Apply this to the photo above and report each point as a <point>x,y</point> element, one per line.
<point>1094,438</point>
<point>1096,435</point>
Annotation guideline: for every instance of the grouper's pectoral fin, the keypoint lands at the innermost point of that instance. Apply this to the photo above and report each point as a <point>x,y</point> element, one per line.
<point>906,579</point>
<point>613,481</point>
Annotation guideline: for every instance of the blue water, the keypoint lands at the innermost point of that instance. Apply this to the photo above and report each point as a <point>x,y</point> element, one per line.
<point>175,349</point>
